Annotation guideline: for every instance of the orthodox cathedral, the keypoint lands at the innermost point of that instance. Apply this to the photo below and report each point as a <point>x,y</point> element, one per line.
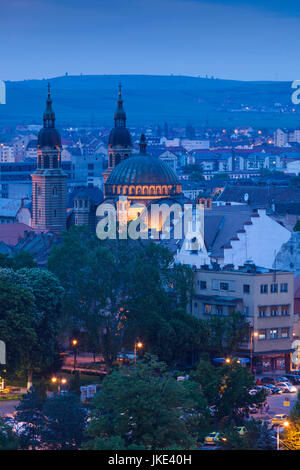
<point>142,178</point>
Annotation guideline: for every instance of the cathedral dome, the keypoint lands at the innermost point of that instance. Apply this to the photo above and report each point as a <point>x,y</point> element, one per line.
<point>143,170</point>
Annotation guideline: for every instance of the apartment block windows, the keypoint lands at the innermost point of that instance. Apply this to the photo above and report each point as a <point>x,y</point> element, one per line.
<point>262,334</point>
<point>274,288</point>
<point>274,333</point>
<point>284,287</point>
<point>207,308</point>
<point>262,312</point>
<point>264,288</point>
<point>274,311</point>
<point>285,332</point>
<point>219,310</point>
<point>284,310</point>
<point>246,288</point>
<point>202,284</point>
<point>224,286</point>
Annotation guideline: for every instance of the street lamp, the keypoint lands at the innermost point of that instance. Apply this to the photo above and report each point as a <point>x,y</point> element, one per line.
<point>228,360</point>
<point>59,382</point>
<point>137,345</point>
<point>254,334</point>
<point>285,424</point>
<point>75,344</point>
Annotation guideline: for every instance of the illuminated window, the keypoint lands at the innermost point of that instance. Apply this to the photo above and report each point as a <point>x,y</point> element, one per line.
<point>274,333</point>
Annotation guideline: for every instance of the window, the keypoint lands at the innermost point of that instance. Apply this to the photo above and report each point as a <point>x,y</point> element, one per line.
<point>261,311</point>
<point>202,284</point>
<point>207,308</point>
<point>224,286</point>
<point>284,310</point>
<point>264,288</point>
<point>246,289</point>
<point>54,191</point>
<point>274,288</point>
<point>246,310</point>
<point>262,334</point>
<point>273,311</point>
<point>219,310</point>
<point>284,332</point>
<point>274,333</point>
<point>284,287</point>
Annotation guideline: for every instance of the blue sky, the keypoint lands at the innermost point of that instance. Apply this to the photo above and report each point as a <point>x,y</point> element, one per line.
<point>234,39</point>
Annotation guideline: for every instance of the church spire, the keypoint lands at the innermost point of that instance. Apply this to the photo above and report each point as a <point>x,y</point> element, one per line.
<point>49,116</point>
<point>120,115</point>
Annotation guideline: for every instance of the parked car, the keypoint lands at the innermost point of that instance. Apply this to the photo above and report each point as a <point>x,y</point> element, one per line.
<point>293,378</point>
<point>268,380</point>
<point>267,389</point>
<point>280,379</point>
<point>279,419</point>
<point>287,387</point>
<point>274,389</point>
<point>212,439</point>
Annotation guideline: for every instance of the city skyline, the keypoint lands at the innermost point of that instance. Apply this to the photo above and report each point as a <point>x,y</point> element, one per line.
<point>243,40</point>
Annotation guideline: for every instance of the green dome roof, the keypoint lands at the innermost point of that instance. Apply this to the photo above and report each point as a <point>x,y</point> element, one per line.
<point>143,169</point>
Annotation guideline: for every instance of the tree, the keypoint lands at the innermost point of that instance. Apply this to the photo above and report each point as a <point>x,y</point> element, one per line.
<point>30,302</point>
<point>297,226</point>
<point>227,333</point>
<point>29,411</point>
<point>291,435</point>
<point>119,290</point>
<point>64,422</point>
<point>257,437</point>
<point>16,326</point>
<point>227,388</point>
<point>8,439</point>
<point>56,423</point>
<point>142,407</point>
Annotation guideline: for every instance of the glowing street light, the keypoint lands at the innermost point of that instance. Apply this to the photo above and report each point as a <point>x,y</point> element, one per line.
<point>254,334</point>
<point>75,344</point>
<point>227,360</point>
<point>137,345</point>
<point>56,380</point>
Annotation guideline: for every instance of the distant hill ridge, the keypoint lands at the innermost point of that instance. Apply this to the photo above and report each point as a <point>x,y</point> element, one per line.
<point>87,100</point>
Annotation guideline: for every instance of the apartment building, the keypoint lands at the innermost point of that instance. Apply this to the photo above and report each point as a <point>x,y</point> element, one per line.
<point>264,296</point>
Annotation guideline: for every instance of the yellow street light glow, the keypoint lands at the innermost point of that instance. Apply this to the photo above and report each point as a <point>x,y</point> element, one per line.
<point>255,334</point>
<point>139,345</point>
<point>286,424</point>
<point>54,380</point>
<point>63,381</point>
<point>74,342</point>
<point>227,360</point>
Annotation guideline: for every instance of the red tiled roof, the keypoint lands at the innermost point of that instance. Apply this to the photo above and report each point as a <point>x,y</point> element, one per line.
<point>11,233</point>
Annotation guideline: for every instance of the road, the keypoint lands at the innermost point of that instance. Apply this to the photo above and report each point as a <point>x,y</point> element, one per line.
<point>7,407</point>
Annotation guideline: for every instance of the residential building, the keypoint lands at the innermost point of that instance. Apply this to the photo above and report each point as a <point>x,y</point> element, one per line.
<point>264,296</point>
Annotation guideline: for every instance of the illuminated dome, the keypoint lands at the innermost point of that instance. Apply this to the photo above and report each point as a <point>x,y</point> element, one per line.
<point>142,175</point>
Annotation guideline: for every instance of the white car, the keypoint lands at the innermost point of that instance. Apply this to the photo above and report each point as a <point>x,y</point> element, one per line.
<point>287,387</point>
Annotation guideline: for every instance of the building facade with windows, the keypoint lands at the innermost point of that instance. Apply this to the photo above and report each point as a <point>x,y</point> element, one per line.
<point>264,296</point>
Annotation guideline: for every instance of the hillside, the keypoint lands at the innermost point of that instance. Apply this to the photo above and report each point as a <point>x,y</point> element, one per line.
<point>90,100</point>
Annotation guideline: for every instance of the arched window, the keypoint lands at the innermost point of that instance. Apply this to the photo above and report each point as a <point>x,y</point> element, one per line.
<point>54,191</point>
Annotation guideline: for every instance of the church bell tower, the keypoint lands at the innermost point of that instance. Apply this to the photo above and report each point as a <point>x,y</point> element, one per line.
<point>49,181</point>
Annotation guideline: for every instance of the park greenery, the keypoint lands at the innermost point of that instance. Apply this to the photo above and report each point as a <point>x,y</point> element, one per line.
<point>109,294</point>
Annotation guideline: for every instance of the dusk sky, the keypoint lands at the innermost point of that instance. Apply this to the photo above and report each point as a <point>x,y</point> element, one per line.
<point>233,39</point>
